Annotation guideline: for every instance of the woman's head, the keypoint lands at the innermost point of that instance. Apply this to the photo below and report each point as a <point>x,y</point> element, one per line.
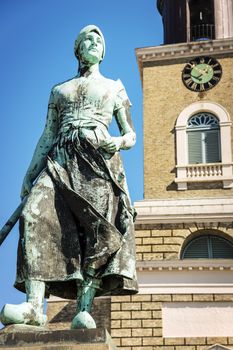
<point>89,47</point>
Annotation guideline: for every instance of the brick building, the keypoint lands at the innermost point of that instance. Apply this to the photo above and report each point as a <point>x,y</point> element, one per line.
<point>184,229</point>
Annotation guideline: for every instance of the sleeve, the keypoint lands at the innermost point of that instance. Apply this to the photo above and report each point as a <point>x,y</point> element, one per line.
<point>121,96</point>
<point>52,100</point>
<point>52,114</point>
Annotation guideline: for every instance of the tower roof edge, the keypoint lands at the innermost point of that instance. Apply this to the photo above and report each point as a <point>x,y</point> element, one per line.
<point>160,5</point>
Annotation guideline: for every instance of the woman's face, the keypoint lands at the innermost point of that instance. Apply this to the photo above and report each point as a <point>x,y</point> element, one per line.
<point>91,48</point>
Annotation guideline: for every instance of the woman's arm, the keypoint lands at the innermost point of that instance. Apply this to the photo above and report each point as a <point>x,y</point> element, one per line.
<point>43,147</point>
<point>128,136</point>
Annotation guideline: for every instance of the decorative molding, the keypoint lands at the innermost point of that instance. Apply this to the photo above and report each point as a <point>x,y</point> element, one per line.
<point>185,277</point>
<point>164,53</point>
<point>203,106</point>
<point>186,265</point>
<point>173,288</point>
<point>197,210</point>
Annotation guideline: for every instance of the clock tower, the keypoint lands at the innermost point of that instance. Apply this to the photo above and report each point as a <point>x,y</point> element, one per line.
<point>184,230</point>
<point>187,89</point>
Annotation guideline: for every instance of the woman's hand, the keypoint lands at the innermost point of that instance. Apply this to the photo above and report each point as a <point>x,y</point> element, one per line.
<point>86,125</point>
<point>112,144</point>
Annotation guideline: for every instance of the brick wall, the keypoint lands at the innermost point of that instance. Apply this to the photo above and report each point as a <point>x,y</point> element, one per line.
<point>165,242</point>
<point>136,323</point>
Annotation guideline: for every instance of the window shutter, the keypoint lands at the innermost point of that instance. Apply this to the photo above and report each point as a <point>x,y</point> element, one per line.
<point>195,147</point>
<point>221,248</point>
<point>197,249</point>
<point>208,247</point>
<point>212,146</point>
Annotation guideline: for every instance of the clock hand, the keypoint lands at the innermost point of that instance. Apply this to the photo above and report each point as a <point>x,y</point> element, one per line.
<point>199,70</point>
<point>198,78</point>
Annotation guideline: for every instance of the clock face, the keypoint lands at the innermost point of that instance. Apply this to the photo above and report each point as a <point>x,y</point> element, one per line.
<point>201,73</point>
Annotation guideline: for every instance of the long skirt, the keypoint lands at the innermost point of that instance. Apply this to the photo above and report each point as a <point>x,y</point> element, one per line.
<point>78,215</point>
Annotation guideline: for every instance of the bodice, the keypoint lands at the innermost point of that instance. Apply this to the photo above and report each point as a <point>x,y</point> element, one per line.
<point>87,98</point>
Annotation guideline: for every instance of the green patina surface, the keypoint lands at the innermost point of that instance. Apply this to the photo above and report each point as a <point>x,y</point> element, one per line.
<point>76,229</point>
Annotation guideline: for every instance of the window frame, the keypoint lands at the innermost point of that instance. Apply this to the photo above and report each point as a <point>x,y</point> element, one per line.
<point>210,245</point>
<point>221,171</point>
<point>203,131</point>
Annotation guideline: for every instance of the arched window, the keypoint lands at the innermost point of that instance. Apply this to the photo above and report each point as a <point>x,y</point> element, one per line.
<point>203,145</point>
<point>208,247</point>
<point>203,139</point>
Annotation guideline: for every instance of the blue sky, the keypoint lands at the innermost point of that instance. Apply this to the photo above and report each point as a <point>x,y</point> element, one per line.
<point>36,44</point>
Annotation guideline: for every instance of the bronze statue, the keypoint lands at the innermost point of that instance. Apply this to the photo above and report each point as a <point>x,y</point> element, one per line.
<point>76,228</point>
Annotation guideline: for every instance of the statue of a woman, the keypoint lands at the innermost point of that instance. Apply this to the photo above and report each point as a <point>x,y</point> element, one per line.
<point>76,229</point>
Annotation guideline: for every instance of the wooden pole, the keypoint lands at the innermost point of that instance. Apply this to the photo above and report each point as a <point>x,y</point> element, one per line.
<point>11,221</point>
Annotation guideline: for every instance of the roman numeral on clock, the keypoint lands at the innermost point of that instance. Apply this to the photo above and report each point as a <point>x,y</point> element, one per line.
<point>189,81</point>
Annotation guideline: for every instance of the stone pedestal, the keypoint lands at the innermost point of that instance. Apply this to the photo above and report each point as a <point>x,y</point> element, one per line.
<point>34,338</point>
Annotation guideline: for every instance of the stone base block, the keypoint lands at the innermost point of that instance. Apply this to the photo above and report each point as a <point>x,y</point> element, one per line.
<point>35,338</point>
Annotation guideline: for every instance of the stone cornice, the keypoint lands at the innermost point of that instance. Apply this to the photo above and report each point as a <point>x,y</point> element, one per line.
<point>180,211</point>
<point>187,264</point>
<point>165,54</point>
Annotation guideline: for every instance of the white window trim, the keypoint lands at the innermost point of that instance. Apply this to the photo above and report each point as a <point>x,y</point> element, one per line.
<point>203,172</point>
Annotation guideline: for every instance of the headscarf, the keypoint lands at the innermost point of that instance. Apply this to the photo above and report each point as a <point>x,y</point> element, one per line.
<point>83,32</point>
